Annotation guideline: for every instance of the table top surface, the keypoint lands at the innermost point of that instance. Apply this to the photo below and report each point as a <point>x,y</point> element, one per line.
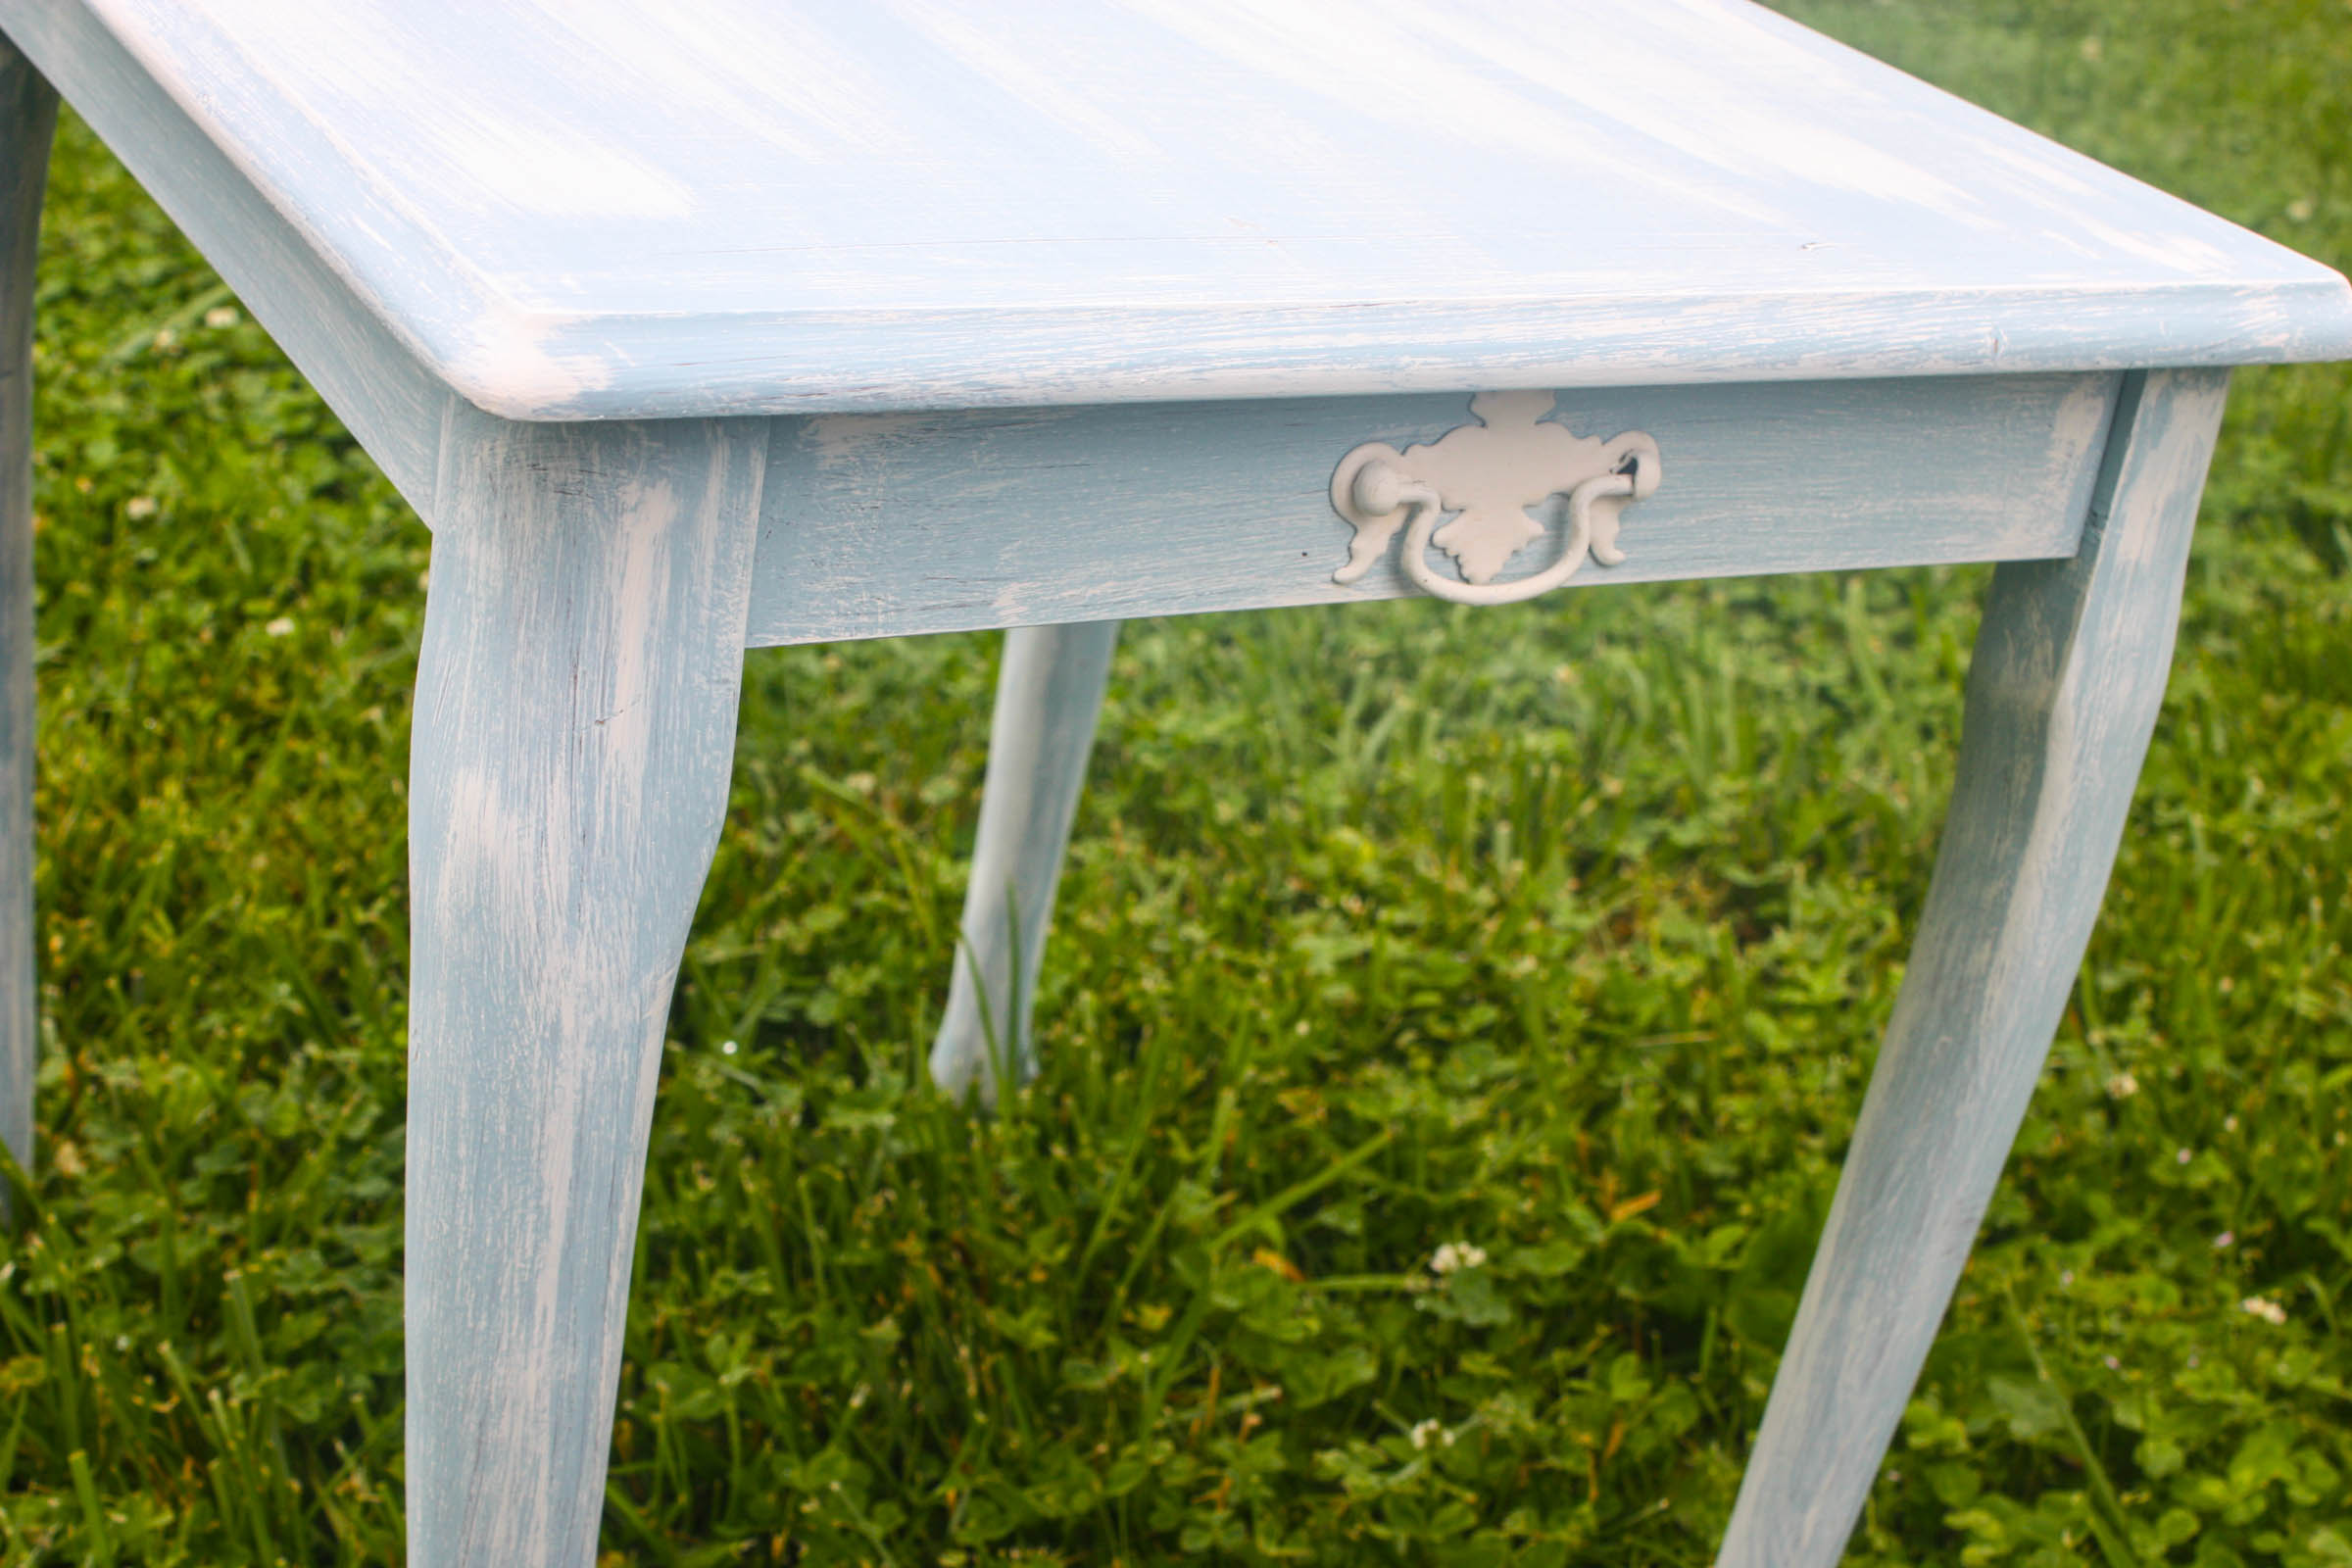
<point>577,209</point>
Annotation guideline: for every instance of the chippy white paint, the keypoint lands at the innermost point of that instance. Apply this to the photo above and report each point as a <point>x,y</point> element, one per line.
<point>457,217</point>
<point>574,729</point>
<point>1048,691</point>
<point>880,524</point>
<point>593,208</point>
<point>377,386</point>
<point>27,115</point>
<point>2063,693</point>
<point>1487,475</point>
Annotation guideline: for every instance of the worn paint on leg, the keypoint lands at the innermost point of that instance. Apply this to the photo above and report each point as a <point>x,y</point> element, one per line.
<point>27,118</point>
<point>2063,694</point>
<point>574,732</point>
<point>1048,695</point>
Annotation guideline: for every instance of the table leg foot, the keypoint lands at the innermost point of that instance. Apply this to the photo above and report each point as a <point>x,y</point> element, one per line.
<point>1048,695</point>
<point>27,116</point>
<point>2069,672</point>
<point>574,732</point>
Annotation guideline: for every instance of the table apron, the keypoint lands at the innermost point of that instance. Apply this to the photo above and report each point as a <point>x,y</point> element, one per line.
<point>879,525</point>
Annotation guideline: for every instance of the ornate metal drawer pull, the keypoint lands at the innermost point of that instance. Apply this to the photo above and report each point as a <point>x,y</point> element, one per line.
<point>1487,475</point>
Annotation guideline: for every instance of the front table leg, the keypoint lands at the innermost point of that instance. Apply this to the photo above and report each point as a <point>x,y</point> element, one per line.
<point>1048,694</point>
<point>574,728</point>
<point>2069,672</point>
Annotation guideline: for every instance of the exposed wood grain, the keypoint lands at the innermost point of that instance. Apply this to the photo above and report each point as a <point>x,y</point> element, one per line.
<point>574,728</point>
<point>1048,693</point>
<point>879,525</point>
<point>28,115</point>
<point>604,208</point>
<point>389,401</point>
<point>2069,672</point>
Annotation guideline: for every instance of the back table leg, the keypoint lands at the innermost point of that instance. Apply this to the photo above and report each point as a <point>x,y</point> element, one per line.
<point>1047,697</point>
<point>2069,672</point>
<point>28,115</point>
<point>574,730</point>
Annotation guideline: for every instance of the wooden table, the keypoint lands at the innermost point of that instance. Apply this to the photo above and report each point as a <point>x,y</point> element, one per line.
<point>720,323</point>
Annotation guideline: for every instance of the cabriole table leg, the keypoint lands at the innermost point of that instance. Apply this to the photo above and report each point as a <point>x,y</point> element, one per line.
<point>574,731</point>
<point>2068,675</point>
<point>28,118</point>
<point>1048,695</point>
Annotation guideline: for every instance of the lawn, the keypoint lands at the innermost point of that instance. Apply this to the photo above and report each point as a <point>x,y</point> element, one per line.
<point>1454,1029</point>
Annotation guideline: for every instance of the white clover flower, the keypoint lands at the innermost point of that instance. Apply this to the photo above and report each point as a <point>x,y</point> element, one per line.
<point>2123,1086</point>
<point>1457,1255</point>
<point>1423,1431</point>
<point>2268,1310</point>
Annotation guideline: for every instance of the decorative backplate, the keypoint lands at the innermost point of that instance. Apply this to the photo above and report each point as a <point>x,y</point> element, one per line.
<point>1486,476</point>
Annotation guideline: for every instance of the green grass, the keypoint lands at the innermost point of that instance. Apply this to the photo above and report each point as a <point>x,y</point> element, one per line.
<point>1565,932</point>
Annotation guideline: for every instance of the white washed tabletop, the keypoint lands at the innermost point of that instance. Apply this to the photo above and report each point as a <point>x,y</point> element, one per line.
<point>577,209</point>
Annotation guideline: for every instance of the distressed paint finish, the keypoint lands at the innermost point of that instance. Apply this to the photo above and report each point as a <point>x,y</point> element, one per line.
<point>376,387</point>
<point>1048,694</point>
<point>1059,342</point>
<point>576,208</point>
<point>574,729</point>
<point>2063,693</point>
<point>28,115</point>
<point>881,524</point>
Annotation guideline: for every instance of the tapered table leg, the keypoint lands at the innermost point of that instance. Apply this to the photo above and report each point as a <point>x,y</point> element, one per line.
<point>28,118</point>
<point>576,721</point>
<point>1048,695</point>
<point>2069,672</point>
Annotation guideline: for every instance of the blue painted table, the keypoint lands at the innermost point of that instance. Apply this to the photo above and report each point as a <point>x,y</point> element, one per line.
<point>720,324</point>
